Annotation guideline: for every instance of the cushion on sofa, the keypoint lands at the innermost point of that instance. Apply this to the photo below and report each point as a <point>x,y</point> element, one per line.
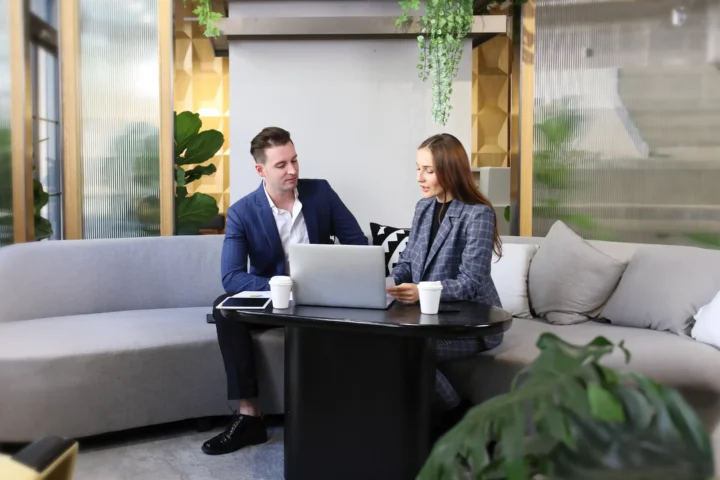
<point>570,280</point>
<point>663,288</point>
<point>117,370</point>
<point>510,276</point>
<point>393,239</point>
<point>707,323</point>
<point>684,363</point>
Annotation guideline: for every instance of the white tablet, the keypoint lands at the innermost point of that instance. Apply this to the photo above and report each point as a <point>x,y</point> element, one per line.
<point>244,303</point>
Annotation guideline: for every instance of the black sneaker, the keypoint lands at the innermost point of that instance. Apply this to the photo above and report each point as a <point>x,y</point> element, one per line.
<point>243,431</point>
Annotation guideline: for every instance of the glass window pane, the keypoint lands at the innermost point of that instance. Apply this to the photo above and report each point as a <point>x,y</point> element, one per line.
<point>119,85</point>
<point>6,227</point>
<point>46,126</point>
<point>46,10</point>
<point>627,115</point>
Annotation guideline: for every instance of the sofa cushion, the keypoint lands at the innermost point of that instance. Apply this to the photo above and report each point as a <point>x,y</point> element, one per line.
<point>112,371</point>
<point>663,288</point>
<point>106,275</point>
<point>707,323</point>
<point>392,239</point>
<point>510,276</point>
<point>676,361</point>
<point>570,280</point>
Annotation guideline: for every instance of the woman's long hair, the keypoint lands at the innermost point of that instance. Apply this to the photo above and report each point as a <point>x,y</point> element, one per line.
<point>452,169</point>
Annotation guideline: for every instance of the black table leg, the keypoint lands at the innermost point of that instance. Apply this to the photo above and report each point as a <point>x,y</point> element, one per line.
<point>357,405</point>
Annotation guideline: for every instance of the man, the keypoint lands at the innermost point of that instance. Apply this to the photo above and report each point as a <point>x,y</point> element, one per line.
<point>262,225</point>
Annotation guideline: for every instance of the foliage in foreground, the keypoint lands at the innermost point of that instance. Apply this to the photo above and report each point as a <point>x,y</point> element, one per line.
<point>567,417</point>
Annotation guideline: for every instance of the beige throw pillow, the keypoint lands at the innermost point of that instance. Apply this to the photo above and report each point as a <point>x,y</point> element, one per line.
<point>570,280</point>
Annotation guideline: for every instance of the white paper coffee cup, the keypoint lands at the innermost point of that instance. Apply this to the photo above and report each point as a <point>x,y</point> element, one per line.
<point>280,288</point>
<point>429,297</point>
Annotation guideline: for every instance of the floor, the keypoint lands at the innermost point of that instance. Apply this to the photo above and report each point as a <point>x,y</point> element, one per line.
<point>172,452</point>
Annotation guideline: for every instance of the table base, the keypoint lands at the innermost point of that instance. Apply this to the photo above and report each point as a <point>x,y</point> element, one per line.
<point>357,404</point>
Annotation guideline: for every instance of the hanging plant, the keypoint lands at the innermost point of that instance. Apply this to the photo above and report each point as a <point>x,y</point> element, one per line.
<point>445,24</point>
<point>206,16</point>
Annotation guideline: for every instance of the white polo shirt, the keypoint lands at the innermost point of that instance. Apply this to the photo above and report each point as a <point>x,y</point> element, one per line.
<point>291,225</point>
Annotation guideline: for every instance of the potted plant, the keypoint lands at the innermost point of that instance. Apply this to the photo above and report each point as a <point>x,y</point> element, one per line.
<point>193,147</point>
<point>568,417</point>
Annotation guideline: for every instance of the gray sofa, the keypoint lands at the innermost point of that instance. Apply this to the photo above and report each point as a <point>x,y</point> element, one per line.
<point>104,335</point>
<point>672,359</point>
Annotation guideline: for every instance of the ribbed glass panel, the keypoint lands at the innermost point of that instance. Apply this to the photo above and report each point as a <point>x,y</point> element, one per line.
<point>627,120</point>
<point>6,227</point>
<point>120,117</point>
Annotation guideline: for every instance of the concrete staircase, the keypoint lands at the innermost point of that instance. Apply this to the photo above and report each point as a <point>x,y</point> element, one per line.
<point>671,197</point>
<point>675,109</point>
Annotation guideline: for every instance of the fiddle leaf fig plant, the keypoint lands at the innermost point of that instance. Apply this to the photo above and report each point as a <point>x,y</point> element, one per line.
<point>568,416</point>
<point>193,147</point>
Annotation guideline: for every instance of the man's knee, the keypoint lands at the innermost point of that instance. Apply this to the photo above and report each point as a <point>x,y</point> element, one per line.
<point>217,314</point>
<point>219,299</point>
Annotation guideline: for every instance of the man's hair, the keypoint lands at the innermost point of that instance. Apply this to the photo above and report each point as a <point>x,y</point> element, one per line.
<point>269,137</point>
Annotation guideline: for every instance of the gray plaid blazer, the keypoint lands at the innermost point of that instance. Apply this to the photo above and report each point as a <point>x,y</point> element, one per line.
<point>460,256</point>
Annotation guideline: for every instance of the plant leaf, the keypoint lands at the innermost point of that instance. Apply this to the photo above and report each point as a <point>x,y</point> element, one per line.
<point>198,172</point>
<point>180,176</point>
<point>43,228</point>
<point>603,405</point>
<point>187,125</point>
<point>202,147</point>
<point>196,209</point>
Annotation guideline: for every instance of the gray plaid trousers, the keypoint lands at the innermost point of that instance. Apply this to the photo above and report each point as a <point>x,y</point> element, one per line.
<point>451,350</point>
<point>455,350</point>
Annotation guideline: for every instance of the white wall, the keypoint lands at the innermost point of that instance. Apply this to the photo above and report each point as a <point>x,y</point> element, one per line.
<point>356,109</point>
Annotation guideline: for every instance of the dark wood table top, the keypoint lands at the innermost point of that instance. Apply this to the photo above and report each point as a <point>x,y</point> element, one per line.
<point>472,319</point>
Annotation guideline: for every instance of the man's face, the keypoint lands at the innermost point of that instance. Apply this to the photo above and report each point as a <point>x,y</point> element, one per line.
<point>281,168</point>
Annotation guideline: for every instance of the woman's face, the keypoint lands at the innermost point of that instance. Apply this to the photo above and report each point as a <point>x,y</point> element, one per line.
<point>426,174</point>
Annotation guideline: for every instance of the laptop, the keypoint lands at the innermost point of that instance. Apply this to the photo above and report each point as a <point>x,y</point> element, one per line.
<point>351,276</point>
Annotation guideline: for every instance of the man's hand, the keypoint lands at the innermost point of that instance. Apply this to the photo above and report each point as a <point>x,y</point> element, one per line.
<point>405,292</point>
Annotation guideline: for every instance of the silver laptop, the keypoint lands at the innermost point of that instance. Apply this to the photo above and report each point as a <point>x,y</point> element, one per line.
<point>351,276</point>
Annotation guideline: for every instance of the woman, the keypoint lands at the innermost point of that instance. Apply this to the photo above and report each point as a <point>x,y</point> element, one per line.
<point>452,239</point>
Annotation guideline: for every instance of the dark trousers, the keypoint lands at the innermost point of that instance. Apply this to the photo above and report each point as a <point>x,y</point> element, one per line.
<point>238,353</point>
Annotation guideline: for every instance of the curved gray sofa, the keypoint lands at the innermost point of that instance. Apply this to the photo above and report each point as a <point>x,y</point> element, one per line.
<point>671,359</point>
<point>105,335</point>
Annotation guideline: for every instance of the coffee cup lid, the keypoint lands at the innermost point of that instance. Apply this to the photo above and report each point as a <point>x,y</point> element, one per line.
<point>430,285</point>
<point>280,280</point>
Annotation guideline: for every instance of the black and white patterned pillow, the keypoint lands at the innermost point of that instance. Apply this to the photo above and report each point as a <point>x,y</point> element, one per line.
<point>393,239</point>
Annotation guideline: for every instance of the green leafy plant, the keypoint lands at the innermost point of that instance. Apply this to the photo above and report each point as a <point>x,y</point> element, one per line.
<point>193,147</point>
<point>445,25</point>
<point>207,17</point>
<point>568,417</point>
<point>555,159</point>
<point>42,226</point>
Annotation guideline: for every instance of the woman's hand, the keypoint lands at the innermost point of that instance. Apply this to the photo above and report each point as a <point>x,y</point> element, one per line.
<point>405,292</point>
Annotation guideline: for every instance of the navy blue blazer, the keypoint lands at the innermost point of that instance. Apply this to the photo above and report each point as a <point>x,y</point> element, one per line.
<point>460,256</point>
<point>250,231</point>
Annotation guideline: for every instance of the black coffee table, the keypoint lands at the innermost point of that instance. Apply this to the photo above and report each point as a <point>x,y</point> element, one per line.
<point>359,384</point>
